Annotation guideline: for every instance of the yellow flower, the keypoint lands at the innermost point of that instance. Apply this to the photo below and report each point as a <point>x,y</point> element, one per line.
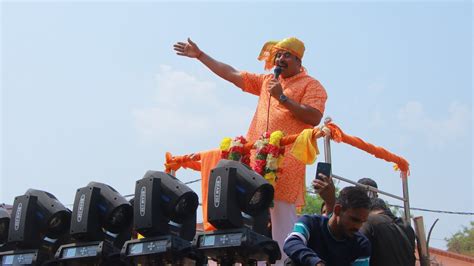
<point>395,167</point>
<point>275,138</point>
<point>271,178</point>
<point>225,144</point>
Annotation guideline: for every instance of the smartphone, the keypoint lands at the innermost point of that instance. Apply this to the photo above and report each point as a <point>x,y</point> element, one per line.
<point>323,168</point>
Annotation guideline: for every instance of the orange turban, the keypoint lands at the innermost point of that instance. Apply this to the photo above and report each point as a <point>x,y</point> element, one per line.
<point>269,50</point>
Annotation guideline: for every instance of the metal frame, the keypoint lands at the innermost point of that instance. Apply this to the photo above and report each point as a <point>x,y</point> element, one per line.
<point>405,198</point>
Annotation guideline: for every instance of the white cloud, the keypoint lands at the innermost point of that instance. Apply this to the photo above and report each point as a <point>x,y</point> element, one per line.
<point>188,109</point>
<point>436,131</point>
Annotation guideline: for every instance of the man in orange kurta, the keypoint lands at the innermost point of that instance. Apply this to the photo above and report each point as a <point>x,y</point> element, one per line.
<point>291,103</point>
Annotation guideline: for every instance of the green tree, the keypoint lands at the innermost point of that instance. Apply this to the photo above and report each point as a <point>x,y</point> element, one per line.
<point>463,241</point>
<point>313,204</point>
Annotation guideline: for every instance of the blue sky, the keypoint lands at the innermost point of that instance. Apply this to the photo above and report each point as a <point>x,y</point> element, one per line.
<point>93,90</point>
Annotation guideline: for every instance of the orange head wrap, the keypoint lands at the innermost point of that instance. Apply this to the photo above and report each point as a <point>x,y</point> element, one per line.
<point>269,50</point>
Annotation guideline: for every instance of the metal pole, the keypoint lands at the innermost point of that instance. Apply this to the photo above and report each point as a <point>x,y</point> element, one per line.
<point>421,241</point>
<point>367,187</point>
<point>327,143</point>
<point>406,199</point>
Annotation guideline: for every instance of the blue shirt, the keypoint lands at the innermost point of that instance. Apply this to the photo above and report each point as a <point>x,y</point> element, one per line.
<point>311,242</point>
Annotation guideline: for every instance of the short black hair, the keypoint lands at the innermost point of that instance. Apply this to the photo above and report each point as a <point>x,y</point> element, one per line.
<point>380,205</point>
<point>353,198</point>
<point>367,181</point>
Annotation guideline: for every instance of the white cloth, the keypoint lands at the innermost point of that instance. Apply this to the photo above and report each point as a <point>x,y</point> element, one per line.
<point>283,215</point>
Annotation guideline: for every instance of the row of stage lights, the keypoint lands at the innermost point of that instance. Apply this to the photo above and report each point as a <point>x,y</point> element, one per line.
<point>103,226</point>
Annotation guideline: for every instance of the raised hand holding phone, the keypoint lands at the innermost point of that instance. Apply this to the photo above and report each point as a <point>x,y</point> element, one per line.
<point>324,186</point>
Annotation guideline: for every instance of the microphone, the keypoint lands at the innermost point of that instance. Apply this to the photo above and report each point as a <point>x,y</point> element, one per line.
<point>277,71</point>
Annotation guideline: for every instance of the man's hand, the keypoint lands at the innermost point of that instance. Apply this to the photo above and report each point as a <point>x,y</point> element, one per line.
<point>275,89</point>
<point>189,49</point>
<point>326,189</point>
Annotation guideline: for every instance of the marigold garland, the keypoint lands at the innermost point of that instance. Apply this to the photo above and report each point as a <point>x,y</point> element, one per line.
<point>269,155</point>
<point>234,150</point>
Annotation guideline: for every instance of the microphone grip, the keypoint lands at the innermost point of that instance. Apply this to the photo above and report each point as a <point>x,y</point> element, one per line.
<point>277,72</point>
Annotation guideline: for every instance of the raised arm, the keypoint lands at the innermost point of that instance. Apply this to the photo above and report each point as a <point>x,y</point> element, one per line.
<point>227,72</point>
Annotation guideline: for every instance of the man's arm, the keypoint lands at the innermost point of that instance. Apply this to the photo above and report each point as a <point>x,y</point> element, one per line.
<point>295,245</point>
<point>227,72</point>
<point>302,112</point>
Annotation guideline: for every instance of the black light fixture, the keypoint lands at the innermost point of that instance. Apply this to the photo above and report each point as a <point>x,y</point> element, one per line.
<point>39,224</point>
<point>237,206</point>
<point>165,215</point>
<point>100,223</point>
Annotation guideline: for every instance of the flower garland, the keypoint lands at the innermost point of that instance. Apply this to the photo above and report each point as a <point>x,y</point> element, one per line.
<point>234,150</point>
<point>269,155</point>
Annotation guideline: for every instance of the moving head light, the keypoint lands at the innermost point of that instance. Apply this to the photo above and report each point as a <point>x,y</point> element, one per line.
<point>165,214</point>
<point>100,224</point>
<point>237,206</point>
<point>40,223</point>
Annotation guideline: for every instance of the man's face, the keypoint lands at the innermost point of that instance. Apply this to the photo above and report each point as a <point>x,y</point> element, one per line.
<point>290,64</point>
<point>351,220</point>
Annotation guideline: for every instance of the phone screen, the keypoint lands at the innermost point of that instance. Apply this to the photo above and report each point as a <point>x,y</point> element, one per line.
<point>323,168</point>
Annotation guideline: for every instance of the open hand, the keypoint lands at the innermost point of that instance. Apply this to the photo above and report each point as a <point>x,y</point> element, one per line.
<point>189,49</point>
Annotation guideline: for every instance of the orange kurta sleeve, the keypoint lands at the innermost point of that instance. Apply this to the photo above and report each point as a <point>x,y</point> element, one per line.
<point>315,96</point>
<point>252,82</point>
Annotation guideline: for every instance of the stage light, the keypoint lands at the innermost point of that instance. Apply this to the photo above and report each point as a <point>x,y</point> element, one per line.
<point>161,198</point>
<point>235,188</point>
<point>40,224</point>
<point>100,223</point>
<point>98,208</point>
<point>238,204</point>
<point>165,214</point>
<point>55,219</point>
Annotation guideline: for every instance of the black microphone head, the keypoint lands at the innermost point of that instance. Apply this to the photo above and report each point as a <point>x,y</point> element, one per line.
<point>277,71</point>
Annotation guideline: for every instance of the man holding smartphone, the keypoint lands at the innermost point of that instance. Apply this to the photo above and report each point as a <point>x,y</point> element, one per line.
<point>318,240</point>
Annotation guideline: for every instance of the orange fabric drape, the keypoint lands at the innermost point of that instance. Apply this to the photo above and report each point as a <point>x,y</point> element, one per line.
<point>205,161</point>
<point>173,163</point>
<point>209,160</point>
<point>338,135</point>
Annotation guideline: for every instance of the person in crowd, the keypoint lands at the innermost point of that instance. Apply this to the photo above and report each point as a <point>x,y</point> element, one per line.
<point>318,240</point>
<point>393,242</point>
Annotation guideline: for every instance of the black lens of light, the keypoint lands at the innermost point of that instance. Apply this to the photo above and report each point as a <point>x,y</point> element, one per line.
<point>59,224</point>
<point>120,219</point>
<point>186,207</point>
<point>260,200</point>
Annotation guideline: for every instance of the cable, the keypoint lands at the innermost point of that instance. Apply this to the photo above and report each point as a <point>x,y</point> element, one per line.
<point>416,209</point>
<point>436,211</point>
